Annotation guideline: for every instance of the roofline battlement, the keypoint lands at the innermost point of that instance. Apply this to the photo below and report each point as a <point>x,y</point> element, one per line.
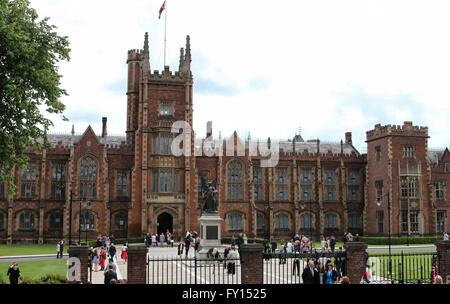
<point>135,55</point>
<point>407,129</point>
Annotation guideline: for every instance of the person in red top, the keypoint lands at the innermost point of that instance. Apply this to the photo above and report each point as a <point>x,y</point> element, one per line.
<point>124,253</point>
<point>102,258</point>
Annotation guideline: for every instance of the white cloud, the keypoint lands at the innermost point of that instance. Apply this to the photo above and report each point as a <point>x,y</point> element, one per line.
<point>308,55</point>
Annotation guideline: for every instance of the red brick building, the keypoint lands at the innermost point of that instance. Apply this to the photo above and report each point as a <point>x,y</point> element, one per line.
<point>136,184</point>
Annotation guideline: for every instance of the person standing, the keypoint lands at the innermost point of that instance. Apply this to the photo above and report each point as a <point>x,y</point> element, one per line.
<point>180,248</point>
<point>332,243</point>
<point>232,257</point>
<point>112,252</point>
<point>187,243</point>
<point>162,239</point>
<point>245,239</point>
<point>104,241</point>
<point>296,264</point>
<point>197,243</point>
<point>110,275</point>
<point>14,274</point>
<point>147,240</point>
<point>57,249</point>
<point>445,236</point>
<point>310,274</point>
<point>102,258</point>
<point>95,260</point>
<point>331,275</point>
<point>322,273</point>
<point>124,253</point>
<point>153,240</point>
<point>61,248</point>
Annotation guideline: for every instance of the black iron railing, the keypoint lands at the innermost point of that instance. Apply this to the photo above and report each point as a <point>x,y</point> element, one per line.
<point>407,268</point>
<point>287,268</point>
<point>179,270</point>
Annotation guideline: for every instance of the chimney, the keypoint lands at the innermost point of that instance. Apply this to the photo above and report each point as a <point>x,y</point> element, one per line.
<point>209,129</point>
<point>348,138</point>
<point>104,132</point>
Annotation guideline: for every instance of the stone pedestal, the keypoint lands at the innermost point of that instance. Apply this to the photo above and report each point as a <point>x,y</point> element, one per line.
<point>443,250</point>
<point>356,260</point>
<point>209,234</point>
<point>137,264</point>
<point>79,267</point>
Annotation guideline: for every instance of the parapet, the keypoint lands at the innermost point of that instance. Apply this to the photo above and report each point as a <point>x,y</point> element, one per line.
<point>135,55</point>
<point>407,129</point>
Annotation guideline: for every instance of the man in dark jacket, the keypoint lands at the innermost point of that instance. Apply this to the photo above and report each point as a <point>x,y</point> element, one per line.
<point>109,275</point>
<point>14,274</point>
<point>112,251</point>
<point>332,243</point>
<point>310,274</point>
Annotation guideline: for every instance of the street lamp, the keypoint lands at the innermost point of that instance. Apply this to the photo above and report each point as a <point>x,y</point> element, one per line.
<point>88,205</point>
<point>389,230</point>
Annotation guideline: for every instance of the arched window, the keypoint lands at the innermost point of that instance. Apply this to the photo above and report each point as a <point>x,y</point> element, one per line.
<point>120,220</point>
<point>235,181</point>
<point>88,178</point>
<point>234,221</point>
<point>26,220</point>
<point>28,180</point>
<point>331,221</point>
<point>354,221</point>
<point>56,220</point>
<point>122,183</point>
<point>306,221</point>
<point>281,222</point>
<point>87,220</point>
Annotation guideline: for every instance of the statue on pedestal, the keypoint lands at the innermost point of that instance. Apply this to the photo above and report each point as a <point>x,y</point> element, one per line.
<point>210,197</point>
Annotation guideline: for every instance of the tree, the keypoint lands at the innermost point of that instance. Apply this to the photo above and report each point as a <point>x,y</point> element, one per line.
<point>30,51</point>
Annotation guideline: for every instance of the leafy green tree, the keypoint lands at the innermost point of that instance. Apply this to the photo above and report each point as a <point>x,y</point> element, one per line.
<point>30,51</point>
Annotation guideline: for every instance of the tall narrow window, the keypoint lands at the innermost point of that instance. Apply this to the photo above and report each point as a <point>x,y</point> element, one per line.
<point>439,186</point>
<point>413,187</point>
<point>58,180</point>
<point>122,184</point>
<point>176,181</point>
<point>306,184</point>
<point>28,188</point>
<point>165,178</point>
<point>87,220</point>
<point>330,185</point>
<point>354,221</point>
<point>404,186</point>
<point>414,221</point>
<point>408,151</point>
<point>234,221</point>
<point>56,221</point>
<point>257,183</point>
<point>260,221</point>
<point>353,185</point>
<point>161,144</point>
<point>379,191</point>
<point>120,221</point>
<point>155,180</point>
<point>380,221</point>
<point>88,178</point>
<point>377,153</point>
<point>440,221</point>
<point>306,221</point>
<point>235,190</point>
<point>405,221</point>
<point>2,221</point>
<point>281,184</point>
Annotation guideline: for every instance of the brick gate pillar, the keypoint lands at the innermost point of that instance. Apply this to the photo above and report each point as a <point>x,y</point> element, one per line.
<point>82,254</point>
<point>137,264</point>
<point>356,260</point>
<point>443,250</point>
<point>252,263</point>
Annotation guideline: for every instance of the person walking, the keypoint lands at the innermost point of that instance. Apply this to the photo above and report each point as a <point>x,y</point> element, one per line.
<point>124,253</point>
<point>95,260</point>
<point>58,246</point>
<point>187,243</point>
<point>445,236</point>
<point>180,248</point>
<point>110,275</point>
<point>102,258</point>
<point>310,274</point>
<point>14,274</point>
<point>61,248</point>
<point>296,263</point>
<point>232,257</point>
<point>112,251</point>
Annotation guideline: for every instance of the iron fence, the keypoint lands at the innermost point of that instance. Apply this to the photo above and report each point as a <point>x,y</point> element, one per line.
<point>287,268</point>
<point>403,268</point>
<point>180,270</point>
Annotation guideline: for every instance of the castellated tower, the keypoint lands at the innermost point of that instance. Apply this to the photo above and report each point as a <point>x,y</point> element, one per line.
<point>160,199</point>
<point>397,164</point>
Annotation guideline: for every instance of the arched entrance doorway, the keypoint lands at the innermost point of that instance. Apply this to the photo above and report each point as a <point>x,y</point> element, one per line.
<point>165,221</point>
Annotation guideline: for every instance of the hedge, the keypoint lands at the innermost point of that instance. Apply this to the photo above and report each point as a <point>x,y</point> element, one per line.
<point>227,240</point>
<point>399,240</point>
<point>117,241</point>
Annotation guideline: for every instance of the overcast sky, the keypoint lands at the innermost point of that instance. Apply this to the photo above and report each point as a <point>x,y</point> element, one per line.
<point>266,67</point>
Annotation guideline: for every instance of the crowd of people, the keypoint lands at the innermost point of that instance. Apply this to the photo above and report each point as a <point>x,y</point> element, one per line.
<point>155,240</point>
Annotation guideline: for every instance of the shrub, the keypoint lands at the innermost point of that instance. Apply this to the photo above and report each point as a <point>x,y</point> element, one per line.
<point>403,240</point>
<point>46,279</point>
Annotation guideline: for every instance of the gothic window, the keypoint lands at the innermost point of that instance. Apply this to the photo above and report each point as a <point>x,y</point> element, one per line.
<point>88,177</point>
<point>306,221</point>
<point>414,221</point>
<point>331,221</point>
<point>305,176</point>
<point>176,181</point>
<point>440,221</point>
<point>202,182</point>
<point>120,220</point>
<point>161,144</point>
<point>87,220</point>
<point>330,185</point>
<point>2,221</point>
<point>405,221</point>
<point>165,179</point>
<point>165,109</point>
<point>260,221</point>
<point>380,220</point>
<point>26,220</point>
<point>404,186</point>
<point>378,153</point>
<point>28,187</point>
<point>354,221</point>
<point>306,194</point>
<point>353,185</point>
<point>56,220</point>
<point>439,186</point>
<point>330,177</point>
<point>235,190</point>
<point>413,187</point>
<point>281,184</point>
<point>330,193</point>
<point>281,222</point>
<point>58,190</point>
<point>122,184</point>
<point>257,183</point>
<point>234,221</point>
<point>155,180</point>
<point>408,151</point>
<point>447,167</point>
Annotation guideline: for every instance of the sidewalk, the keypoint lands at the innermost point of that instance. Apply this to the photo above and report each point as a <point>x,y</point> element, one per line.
<point>121,268</point>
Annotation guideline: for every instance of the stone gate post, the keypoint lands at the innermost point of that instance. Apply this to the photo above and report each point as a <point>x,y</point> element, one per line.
<point>82,254</point>
<point>137,264</point>
<point>356,260</point>
<point>443,251</point>
<point>252,263</point>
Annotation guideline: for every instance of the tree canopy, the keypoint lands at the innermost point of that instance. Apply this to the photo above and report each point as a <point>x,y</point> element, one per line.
<point>30,50</point>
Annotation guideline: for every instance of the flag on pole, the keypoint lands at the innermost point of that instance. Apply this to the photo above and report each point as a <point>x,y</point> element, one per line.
<point>163,7</point>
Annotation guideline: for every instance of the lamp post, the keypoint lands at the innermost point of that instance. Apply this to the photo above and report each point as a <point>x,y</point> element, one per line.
<point>389,231</point>
<point>70,219</point>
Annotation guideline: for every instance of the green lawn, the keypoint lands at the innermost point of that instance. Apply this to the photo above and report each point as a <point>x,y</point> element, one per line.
<point>29,249</point>
<point>36,269</point>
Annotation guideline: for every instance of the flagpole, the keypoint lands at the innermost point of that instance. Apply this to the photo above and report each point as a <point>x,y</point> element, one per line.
<point>165,30</point>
